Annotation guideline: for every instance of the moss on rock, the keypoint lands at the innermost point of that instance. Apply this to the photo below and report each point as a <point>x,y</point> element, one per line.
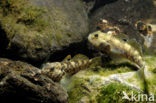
<point>105,84</point>
<point>22,12</point>
<point>24,26</point>
<point>36,28</point>
<point>113,93</point>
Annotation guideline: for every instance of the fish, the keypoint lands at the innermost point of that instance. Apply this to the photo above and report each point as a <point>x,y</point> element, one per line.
<point>146,32</point>
<point>102,40</point>
<point>56,70</point>
<point>106,27</point>
<point>115,45</point>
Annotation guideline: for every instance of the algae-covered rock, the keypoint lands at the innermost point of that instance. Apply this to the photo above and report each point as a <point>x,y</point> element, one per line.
<point>106,84</point>
<point>35,29</point>
<point>113,93</point>
<point>22,83</point>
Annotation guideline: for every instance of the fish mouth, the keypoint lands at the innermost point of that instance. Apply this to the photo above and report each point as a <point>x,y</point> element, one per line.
<point>89,38</point>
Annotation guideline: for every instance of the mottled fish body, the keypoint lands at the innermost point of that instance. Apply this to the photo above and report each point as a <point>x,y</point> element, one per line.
<point>57,70</point>
<point>146,32</point>
<point>116,45</point>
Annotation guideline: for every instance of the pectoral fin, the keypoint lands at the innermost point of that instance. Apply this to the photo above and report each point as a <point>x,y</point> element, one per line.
<point>105,48</point>
<point>80,57</point>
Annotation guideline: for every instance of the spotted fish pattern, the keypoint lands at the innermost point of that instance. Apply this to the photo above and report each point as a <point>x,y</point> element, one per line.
<point>57,70</point>
<point>99,39</point>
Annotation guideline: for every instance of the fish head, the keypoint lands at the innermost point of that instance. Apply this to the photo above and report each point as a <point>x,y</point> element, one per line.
<point>141,26</point>
<point>97,38</point>
<point>53,70</point>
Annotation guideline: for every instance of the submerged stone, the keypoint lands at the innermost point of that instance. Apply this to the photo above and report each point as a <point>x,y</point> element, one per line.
<point>33,30</point>
<point>106,84</point>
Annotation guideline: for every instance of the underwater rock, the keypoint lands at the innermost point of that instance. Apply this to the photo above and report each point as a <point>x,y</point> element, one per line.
<point>35,29</point>
<point>92,5</point>
<point>89,5</point>
<point>106,84</point>
<point>123,14</point>
<point>22,83</point>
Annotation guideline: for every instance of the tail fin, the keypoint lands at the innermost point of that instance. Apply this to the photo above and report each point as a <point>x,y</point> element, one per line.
<point>142,77</point>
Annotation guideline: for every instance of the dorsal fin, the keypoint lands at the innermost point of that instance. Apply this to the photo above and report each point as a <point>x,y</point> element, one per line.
<point>136,45</point>
<point>80,57</point>
<point>67,58</point>
<point>122,37</point>
<point>132,42</point>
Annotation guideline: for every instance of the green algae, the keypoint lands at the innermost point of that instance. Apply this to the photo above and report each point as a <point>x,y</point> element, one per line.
<point>21,12</point>
<point>151,60</point>
<point>76,92</point>
<point>107,71</point>
<point>113,93</point>
<point>21,18</point>
<point>110,68</point>
<point>42,26</point>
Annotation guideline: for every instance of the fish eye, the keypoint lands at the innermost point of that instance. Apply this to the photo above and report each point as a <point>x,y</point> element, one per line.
<point>68,59</point>
<point>140,25</point>
<point>124,39</point>
<point>96,35</point>
<point>149,28</point>
<point>98,28</point>
<point>52,68</point>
